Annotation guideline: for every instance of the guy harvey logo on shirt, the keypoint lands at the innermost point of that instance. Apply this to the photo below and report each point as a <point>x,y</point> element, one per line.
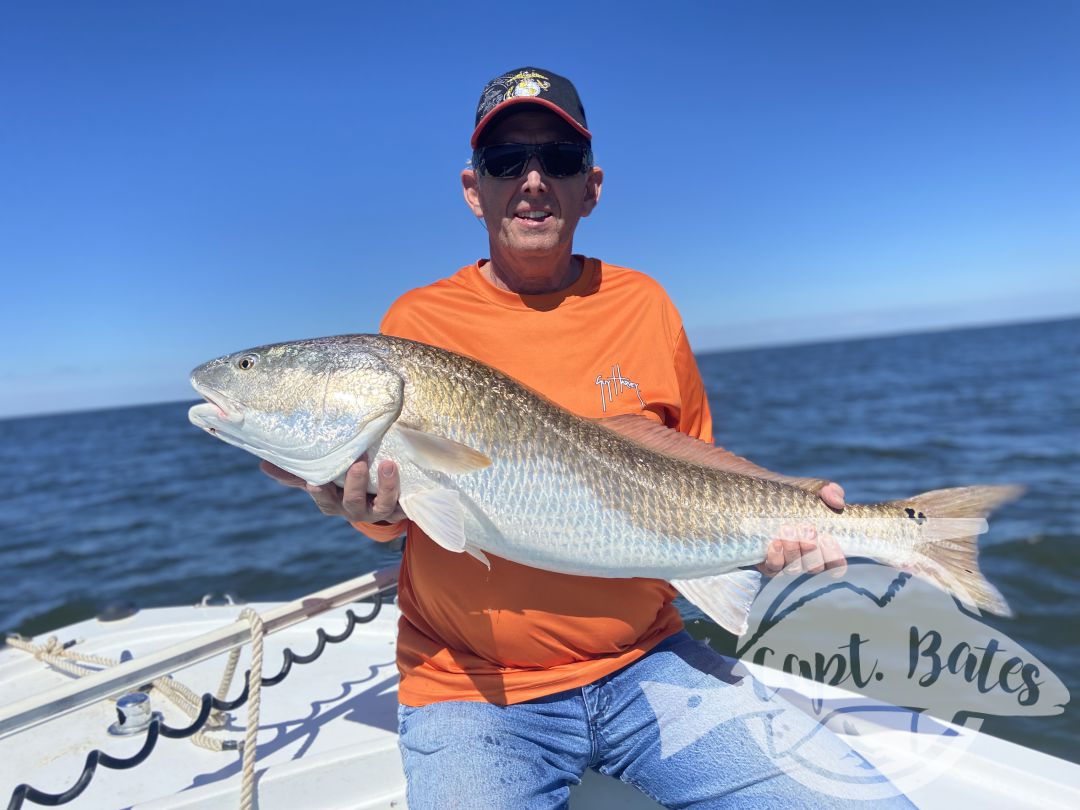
<point>611,387</point>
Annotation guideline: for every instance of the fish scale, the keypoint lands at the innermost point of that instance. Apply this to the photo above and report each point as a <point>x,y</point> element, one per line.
<point>488,465</point>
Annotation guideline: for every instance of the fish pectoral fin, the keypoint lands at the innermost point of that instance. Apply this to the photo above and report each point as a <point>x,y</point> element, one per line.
<point>673,443</point>
<point>724,598</point>
<point>439,514</point>
<point>439,454</point>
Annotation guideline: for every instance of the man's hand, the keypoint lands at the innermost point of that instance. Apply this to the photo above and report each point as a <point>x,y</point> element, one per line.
<point>800,549</point>
<point>353,502</point>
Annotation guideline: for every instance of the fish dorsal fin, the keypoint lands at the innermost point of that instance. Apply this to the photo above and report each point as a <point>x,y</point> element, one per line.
<point>439,514</point>
<point>724,598</point>
<point>673,443</point>
<point>437,453</point>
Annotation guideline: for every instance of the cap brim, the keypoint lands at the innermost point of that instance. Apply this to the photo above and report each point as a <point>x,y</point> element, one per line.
<point>502,105</point>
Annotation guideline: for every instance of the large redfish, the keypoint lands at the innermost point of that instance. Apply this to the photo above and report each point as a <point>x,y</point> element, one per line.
<point>488,465</point>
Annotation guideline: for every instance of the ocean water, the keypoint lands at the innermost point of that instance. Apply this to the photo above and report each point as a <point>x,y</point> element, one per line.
<point>136,505</point>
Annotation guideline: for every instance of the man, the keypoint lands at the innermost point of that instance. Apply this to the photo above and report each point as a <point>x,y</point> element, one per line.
<point>514,680</point>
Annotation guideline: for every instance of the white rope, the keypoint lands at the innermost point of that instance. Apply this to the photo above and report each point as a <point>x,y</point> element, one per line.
<point>247,785</point>
<point>53,653</point>
<point>227,675</point>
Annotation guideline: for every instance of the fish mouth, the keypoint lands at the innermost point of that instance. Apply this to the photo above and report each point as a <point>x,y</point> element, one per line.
<point>220,412</point>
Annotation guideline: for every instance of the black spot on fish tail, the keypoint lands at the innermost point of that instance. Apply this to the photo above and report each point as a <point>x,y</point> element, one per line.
<point>918,517</point>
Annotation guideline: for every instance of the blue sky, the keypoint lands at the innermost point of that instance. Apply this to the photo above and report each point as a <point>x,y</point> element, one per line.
<point>183,179</point>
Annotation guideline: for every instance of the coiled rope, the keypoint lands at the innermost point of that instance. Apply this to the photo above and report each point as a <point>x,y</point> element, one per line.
<point>209,711</point>
<point>56,654</point>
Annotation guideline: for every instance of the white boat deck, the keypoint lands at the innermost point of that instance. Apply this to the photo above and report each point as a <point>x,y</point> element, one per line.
<point>327,733</point>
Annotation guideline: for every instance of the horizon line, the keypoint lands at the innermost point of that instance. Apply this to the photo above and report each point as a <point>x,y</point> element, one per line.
<point>882,335</point>
<point>767,344</point>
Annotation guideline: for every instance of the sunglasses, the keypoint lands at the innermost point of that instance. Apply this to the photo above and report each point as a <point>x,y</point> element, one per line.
<point>510,159</point>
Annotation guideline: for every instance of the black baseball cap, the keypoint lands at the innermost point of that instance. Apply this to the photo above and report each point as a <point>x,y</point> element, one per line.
<point>530,85</point>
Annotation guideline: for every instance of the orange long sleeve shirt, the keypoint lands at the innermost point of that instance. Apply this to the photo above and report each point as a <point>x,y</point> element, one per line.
<point>610,344</point>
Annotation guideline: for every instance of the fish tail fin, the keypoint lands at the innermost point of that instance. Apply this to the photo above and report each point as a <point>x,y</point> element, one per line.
<point>948,555</point>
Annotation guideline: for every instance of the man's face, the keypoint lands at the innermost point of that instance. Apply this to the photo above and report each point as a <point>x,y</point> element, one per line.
<point>535,214</point>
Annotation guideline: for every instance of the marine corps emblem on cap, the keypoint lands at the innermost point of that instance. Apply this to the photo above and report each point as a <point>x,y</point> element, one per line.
<point>530,85</point>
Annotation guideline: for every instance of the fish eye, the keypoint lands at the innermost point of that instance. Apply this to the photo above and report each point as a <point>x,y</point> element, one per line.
<point>247,361</point>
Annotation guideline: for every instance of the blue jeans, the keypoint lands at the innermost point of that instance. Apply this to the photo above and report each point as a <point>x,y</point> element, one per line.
<point>678,724</point>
